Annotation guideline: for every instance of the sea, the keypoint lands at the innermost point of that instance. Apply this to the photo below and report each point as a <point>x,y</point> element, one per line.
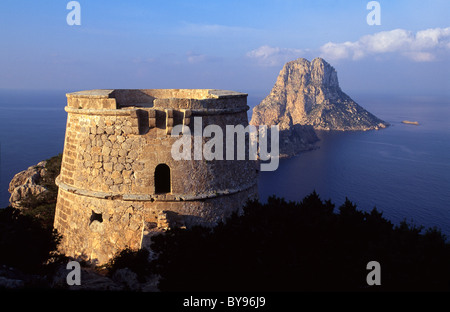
<point>403,170</point>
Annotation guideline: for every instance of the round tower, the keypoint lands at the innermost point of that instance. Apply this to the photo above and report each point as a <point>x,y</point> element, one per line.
<point>119,181</point>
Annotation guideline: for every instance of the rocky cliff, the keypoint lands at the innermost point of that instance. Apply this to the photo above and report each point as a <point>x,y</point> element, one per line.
<point>33,191</point>
<point>27,184</point>
<point>307,95</point>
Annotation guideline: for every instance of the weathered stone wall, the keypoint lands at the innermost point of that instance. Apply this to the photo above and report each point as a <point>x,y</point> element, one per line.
<point>94,229</point>
<point>114,141</point>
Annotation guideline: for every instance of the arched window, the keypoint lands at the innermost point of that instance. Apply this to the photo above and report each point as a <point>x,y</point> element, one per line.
<point>162,179</point>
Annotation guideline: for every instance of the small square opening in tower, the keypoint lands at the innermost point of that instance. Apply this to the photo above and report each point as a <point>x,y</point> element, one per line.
<point>95,217</point>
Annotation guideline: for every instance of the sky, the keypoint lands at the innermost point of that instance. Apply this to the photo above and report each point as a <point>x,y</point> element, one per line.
<point>235,45</point>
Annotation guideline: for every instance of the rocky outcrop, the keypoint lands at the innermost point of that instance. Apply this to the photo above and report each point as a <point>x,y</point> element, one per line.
<point>25,184</point>
<point>415,123</point>
<point>307,94</point>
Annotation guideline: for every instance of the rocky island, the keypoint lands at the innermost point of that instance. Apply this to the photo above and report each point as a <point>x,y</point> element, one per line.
<point>415,123</point>
<point>307,97</point>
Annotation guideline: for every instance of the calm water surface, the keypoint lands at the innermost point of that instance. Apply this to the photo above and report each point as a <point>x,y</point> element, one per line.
<point>403,170</point>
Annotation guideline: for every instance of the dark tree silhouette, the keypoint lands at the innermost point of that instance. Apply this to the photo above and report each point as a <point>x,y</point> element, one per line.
<point>288,246</point>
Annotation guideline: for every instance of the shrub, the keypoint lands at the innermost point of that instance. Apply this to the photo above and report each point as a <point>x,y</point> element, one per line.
<point>287,246</point>
<point>26,245</point>
<point>135,260</point>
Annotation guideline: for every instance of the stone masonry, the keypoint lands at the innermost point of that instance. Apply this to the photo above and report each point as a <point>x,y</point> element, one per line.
<point>118,180</point>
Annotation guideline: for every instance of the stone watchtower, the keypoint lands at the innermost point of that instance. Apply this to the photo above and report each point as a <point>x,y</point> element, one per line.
<point>119,181</point>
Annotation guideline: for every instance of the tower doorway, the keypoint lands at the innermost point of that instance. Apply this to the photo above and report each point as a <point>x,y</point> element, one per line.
<point>162,179</point>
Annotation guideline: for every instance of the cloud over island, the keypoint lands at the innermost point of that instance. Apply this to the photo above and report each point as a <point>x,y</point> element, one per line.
<point>421,46</point>
<point>273,56</point>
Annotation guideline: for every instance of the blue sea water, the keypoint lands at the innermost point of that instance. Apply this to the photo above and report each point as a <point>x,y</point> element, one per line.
<point>403,170</point>
<point>32,128</point>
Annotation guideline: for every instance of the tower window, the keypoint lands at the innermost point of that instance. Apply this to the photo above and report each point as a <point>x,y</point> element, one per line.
<point>162,179</point>
<point>96,217</point>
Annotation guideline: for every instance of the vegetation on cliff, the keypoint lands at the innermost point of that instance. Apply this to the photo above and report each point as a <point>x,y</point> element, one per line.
<point>28,242</point>
<point>26,245</point>
<point>38,205</point>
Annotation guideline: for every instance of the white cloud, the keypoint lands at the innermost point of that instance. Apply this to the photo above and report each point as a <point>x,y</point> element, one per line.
<point>432,37</point>
<point>420,56</point>
<point>195,58</point>
<point>422,46</point>
<point>274,56</point>
<point>342,50</point>
<point>386,41</point>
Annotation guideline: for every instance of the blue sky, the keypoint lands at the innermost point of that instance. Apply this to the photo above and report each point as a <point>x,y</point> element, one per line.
<point>238,45</point>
